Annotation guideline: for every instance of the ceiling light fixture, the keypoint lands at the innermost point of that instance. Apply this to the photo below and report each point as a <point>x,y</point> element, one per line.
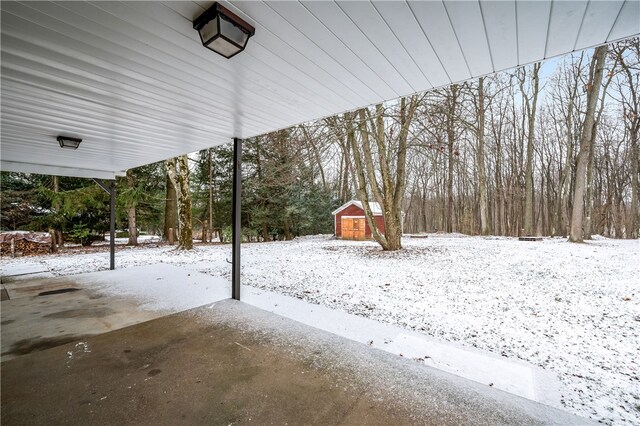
<point>68,143</point>
<point>223,31</point>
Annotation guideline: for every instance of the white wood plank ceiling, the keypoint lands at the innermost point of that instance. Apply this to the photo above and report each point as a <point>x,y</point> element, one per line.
<point>134,82</point>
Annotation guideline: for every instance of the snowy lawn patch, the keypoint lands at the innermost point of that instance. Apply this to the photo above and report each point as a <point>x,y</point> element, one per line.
<point>573,309</point>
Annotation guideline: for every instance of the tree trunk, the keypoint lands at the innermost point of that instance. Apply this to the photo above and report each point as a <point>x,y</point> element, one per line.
<point>185,238</point>
<point>586,140</point>
<point>566,177</point>
<point>171,205</point>
<point>287,229</point>
<point>632,122</point>
<point>345,193</point>
<point>589,197</point>
<point>179,175</point>
<point>632,231</point>
<point>205,231</point>
<point>131,212</point>
<point>133,230</point>
<point>482,175</point>
<point>209,228</point>
<point>362,181</point>
<point>452,100</point>
<point>531,116</point>
<point>499,196</point>
<point>55,241</point>
<point>261,202</point>
<point>565,187</point>
<point>54,245</point>
<point>588,202</point>
<point>316,154</point>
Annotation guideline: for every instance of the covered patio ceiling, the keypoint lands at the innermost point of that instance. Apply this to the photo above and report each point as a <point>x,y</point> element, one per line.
<point>133,80</point>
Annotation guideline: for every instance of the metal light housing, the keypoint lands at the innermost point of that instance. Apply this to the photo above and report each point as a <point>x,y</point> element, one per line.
<point>68,142</point>
<point>223,31</point>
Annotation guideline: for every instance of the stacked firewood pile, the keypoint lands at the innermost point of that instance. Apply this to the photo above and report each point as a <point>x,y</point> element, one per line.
<point>23,243</point>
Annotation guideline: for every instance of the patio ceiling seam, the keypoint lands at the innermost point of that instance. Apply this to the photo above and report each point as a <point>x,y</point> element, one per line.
<point>464,56</point>
<point>486,34</point>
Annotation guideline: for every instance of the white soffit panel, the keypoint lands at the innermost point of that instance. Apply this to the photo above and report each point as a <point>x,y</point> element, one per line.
<point>334,18</point>
<point>358,71</point>
<point>533,26</point>
<point>369,21</point>
<point>502,32</point>
<point>564,26</point>
<point>435,23</point>
<point>627,20</point>
<point>402,22</point>
<point>134,82</point>
<point>598,21</point>
<point>467,17</point>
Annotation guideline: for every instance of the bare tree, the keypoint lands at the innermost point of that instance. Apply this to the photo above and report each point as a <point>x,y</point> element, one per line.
<point>567,112</point>
<point>453,92</point>
<point>387,181</point>
<point>482,174</point>
<point>530,103</point>
<point>630,98</point>
<point>586,140</point>
<point>339,127</point>
<point>588,208</point>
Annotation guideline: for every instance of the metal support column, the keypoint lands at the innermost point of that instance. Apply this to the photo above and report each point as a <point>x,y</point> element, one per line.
<point>112,226</point>
<point>110,189</point>
<point>235,219</point>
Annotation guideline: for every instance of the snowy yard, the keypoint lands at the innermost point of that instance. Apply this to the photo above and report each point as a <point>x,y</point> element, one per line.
<point>573,309</point>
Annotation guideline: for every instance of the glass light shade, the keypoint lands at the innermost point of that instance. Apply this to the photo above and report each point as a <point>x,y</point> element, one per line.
<point>222,46</point>
<point>233,33</point>
<point>209,31</point>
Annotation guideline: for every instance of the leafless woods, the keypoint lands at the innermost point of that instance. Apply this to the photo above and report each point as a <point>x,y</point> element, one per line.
<point>546,149</point>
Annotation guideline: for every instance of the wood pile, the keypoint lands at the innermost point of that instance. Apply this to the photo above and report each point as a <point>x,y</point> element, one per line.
<point>22,243</point>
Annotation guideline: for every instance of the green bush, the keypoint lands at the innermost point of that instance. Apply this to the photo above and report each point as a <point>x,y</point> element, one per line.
<point>81,235</point>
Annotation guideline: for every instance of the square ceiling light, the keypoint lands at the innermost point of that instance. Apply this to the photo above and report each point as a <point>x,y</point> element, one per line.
<point>223,31</point>
<point>68,142</point>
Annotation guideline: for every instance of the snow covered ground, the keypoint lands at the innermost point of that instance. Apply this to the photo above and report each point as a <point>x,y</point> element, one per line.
<point>573,309</point>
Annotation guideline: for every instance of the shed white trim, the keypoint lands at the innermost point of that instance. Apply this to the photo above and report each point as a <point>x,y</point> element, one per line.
<point>375,207</point>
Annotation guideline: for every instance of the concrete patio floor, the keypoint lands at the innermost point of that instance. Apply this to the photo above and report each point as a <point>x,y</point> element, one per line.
<point>46,312</point>
<point>232,363</point>
<point>103,347</point>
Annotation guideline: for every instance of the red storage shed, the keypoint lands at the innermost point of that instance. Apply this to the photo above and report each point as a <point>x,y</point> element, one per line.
<point>350,222</point>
